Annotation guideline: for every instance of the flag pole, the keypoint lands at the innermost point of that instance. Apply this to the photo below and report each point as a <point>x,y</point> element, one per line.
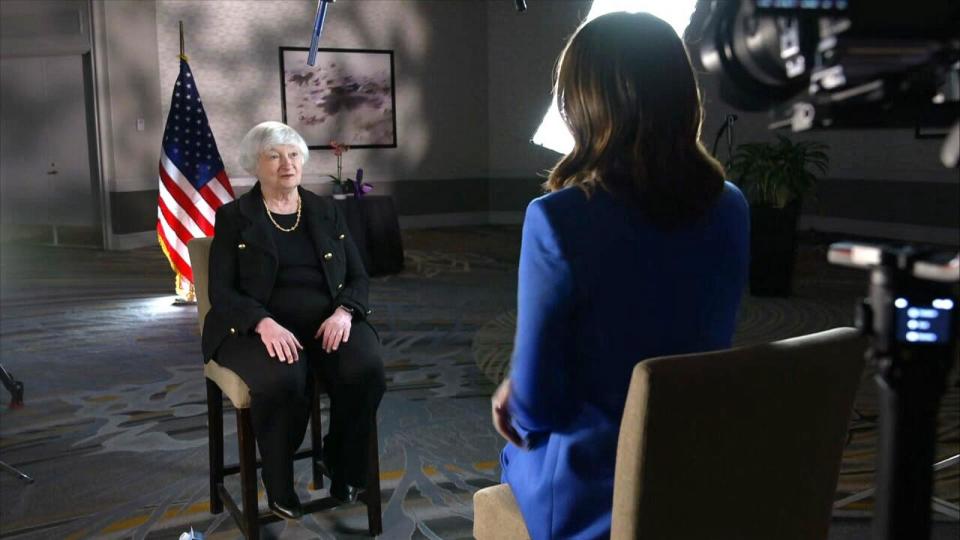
<point>186,294</point>
<point>175,214</point>
<point>182,55</point>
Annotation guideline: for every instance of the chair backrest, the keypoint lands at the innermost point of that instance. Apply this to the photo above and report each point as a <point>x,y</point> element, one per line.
<point>744,443</point>
<point>199,249</point>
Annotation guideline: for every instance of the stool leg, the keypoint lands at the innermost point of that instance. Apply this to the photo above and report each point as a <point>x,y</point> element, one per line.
<point>215,443</point>
<point>374,512</point>
<point>316,433</point>
<point>248,474</point>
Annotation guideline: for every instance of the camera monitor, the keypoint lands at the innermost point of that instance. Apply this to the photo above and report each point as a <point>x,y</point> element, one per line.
<point>924,322</point>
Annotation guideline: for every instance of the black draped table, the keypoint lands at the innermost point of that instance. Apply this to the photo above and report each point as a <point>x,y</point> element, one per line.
<point>373,223</point>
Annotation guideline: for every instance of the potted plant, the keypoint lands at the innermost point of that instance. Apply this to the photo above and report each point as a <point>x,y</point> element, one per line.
<point>341,185</point>
<point>775,177</point>
<point>346,186</point>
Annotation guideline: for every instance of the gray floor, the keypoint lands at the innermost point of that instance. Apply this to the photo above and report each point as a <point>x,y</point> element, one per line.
<point>114,427</point>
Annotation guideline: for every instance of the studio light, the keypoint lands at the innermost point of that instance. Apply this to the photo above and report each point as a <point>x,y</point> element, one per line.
<point>553,133</point>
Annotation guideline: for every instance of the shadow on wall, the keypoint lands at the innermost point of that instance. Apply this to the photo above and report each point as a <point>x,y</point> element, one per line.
<point>523,51</point>
<point>411,69</point>
<point>130,153</point>
<point>234,52</point>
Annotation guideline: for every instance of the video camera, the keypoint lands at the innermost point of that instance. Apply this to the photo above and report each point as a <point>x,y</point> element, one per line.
<point>834,63</point>
<point>821,64</point>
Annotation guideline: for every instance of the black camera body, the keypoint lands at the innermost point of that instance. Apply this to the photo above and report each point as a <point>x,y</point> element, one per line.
<point>834,63</point>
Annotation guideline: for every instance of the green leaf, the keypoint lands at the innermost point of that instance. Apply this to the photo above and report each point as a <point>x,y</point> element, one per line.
<point>775,173</point>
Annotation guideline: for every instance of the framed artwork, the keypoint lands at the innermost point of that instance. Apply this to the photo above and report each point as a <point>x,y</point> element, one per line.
<point>348,97</point>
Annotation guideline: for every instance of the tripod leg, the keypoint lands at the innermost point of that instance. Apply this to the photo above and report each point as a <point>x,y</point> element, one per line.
<point>13,386</point>
<point>946,508</point>
<point>952,460</point>
<point>939,505</point>
<point>16,472</point>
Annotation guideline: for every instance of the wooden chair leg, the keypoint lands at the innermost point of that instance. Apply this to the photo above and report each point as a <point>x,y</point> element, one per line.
<point>374,512</point>
<point>248,474</point>
<point>316,433</point>
<point>215,443</point>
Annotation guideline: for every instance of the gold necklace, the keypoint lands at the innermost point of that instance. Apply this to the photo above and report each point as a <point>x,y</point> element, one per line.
<point>277,225</point>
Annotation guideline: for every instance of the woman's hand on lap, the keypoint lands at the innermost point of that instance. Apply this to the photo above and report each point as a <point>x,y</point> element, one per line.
<point>335,330</point>
<point>280,342</point>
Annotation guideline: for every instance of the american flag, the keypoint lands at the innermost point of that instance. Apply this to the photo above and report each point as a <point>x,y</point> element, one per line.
<point>193,183</point>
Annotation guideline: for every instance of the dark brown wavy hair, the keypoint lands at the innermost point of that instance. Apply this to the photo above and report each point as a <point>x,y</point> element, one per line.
<point>627,92</point>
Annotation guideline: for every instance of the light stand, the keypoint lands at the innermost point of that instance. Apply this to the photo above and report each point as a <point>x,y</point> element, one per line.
<point>727,128</point>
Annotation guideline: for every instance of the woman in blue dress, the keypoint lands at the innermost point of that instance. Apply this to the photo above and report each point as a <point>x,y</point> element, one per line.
<point>640,249</point>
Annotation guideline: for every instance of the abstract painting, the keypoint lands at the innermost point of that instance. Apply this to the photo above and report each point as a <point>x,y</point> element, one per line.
<point>348,96</point>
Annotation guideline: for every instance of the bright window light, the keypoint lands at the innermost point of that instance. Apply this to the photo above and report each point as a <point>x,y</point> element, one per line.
<point>553,133</point>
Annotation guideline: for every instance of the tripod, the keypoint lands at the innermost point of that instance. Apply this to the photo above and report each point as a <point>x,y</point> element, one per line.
<point>15,388</point>
<point>937,504</point>
<point>909,317</point>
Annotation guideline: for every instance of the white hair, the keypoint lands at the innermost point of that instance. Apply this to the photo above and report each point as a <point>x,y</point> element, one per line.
<point>264,136</point>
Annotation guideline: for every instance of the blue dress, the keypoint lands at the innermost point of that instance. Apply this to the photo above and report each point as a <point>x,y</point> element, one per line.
<point>600,288</point>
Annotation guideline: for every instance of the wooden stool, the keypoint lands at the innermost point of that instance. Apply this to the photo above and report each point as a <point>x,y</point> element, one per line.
<point>220,381</point>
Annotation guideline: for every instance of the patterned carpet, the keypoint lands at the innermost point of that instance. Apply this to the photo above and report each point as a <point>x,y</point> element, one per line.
<point>114,425</point>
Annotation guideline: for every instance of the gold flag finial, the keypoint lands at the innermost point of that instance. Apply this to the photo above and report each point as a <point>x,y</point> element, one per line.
<point>182,55</point>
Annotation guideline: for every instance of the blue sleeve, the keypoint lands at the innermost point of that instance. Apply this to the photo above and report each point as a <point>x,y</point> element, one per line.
<point>734,269</point>
<point>540,397</point>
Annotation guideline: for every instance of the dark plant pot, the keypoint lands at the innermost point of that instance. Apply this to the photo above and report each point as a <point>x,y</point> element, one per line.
<point>773,249</point>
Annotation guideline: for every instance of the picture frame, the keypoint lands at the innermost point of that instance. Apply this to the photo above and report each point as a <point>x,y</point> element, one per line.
<point>349,96</point>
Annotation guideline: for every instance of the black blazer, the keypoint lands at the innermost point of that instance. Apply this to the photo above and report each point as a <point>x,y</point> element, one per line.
<point>244,263</point>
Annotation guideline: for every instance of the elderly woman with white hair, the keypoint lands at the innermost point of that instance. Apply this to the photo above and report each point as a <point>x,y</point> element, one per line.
<point>288,293</point>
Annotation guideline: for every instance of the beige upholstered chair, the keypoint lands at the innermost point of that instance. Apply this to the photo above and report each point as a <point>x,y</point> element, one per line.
<point>222,381</point>
<point>740,444</point>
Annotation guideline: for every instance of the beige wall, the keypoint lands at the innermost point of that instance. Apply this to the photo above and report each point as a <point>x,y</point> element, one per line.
<point>523,49</point>
<point>129,87</point>
<point>440,76</point>
<point>44,27</point>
